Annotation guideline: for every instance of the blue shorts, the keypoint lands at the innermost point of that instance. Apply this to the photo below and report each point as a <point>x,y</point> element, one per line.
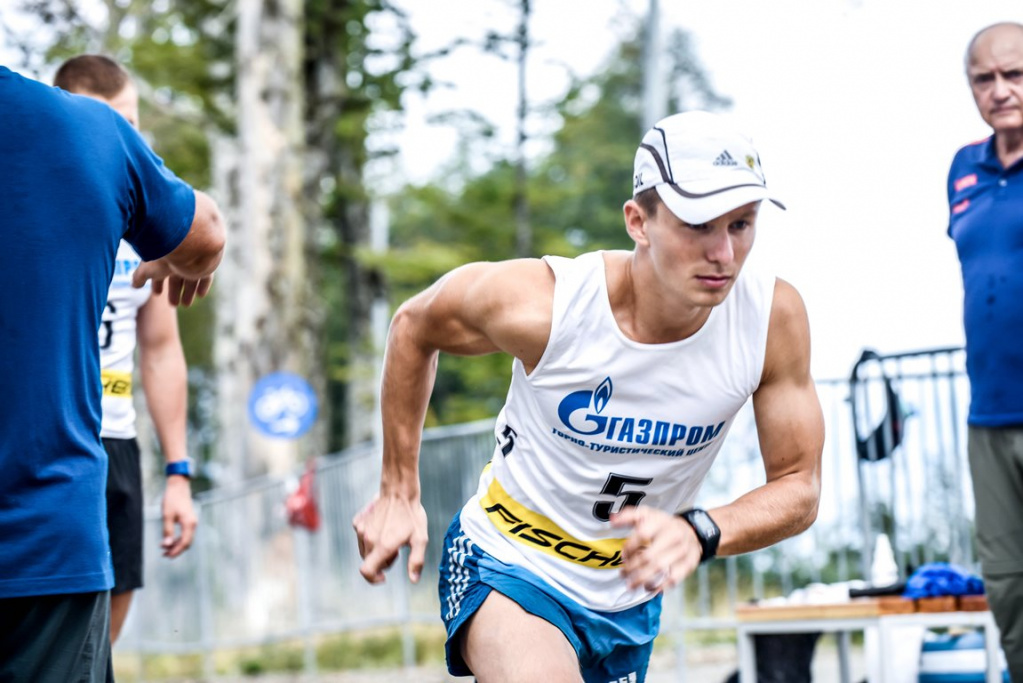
<point>611,646</point>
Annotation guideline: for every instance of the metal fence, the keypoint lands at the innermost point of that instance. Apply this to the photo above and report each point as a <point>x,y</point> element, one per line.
<point>894,463</point>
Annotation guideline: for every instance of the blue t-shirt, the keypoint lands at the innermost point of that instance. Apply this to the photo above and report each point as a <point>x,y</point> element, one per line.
<point>74,178</point>
<point>986,223</point>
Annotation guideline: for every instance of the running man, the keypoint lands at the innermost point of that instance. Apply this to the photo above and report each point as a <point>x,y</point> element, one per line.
<point>136,316</point>
<point>629,368</point>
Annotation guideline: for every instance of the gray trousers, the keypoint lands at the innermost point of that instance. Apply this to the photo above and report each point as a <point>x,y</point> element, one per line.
<point>56,639</point>
<point>996,465</point>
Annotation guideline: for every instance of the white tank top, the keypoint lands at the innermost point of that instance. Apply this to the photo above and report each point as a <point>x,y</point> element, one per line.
<point>604,421</point>
<point>117,342</point>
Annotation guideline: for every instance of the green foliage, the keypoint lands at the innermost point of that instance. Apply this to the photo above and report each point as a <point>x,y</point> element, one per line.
<point>157,667</point>
<point>181,52</point>
<point>355,75</point>
<point>358,63</point>
<point>277,657</point>
<point>575,195</point>
<point>379,649</point>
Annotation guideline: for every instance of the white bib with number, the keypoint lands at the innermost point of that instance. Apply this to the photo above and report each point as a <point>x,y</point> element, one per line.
<point>117,343</point>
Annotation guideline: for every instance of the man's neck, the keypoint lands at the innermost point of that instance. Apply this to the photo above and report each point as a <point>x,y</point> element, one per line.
<point>1009,146</point>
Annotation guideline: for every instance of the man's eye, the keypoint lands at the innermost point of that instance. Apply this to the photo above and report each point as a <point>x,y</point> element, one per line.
<point>1016,75</point>
<point>982,79</point>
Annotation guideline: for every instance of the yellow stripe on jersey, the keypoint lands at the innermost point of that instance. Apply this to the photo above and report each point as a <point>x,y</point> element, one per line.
<point>116,384</point>
<point>533,529</point>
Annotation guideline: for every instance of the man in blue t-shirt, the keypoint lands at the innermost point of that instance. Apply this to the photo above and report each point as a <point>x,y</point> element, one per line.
<point>75,179</point>
<point>985,194</point>
<point>136,323</point>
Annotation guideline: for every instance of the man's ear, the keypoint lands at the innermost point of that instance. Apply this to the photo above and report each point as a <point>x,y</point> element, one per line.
<point>635,221</point>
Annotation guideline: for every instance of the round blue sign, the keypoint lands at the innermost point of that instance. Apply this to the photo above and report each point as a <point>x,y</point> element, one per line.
<point>282,405</point>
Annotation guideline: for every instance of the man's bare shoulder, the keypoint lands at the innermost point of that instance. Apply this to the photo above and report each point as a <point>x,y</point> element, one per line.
<point>489,306</point>
<point>788,304</point>
<point>517,298</point>
<point>503,286</point>
<point>788,336</point>
<point>532,272</point>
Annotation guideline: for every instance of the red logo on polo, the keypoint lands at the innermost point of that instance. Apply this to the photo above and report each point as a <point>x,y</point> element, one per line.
<point>965,182</point>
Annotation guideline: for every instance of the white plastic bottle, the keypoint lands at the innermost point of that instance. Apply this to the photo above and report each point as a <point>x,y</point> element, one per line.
<point>883,570</point>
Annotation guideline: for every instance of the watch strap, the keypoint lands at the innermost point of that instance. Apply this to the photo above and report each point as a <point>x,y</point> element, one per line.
<point>180,467</point>
<point>707,531</point>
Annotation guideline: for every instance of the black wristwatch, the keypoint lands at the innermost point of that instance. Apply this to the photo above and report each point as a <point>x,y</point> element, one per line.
<point>706,530</point>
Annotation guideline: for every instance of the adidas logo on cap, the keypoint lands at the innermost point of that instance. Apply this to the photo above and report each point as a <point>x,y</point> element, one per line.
<point>725,159</point>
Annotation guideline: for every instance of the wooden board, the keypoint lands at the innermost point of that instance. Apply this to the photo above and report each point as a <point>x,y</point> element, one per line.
<point>944,603</point>
<point>972,603</point>
<point>857,607</point>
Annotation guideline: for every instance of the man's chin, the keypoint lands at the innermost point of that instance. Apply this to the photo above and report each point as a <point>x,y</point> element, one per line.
<point>1006,121</point>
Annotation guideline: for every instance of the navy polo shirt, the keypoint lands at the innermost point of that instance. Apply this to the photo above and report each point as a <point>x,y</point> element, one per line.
<point>986,222</point>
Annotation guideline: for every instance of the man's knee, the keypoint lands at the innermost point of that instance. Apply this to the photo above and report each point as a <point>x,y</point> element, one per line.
<point>1005,596</point>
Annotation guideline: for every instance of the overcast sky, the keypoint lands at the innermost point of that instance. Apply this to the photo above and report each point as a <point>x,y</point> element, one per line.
<point>856,107</point>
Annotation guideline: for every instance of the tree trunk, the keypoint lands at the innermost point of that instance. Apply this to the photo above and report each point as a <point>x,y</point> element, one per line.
<point>340,156</point>
<point>267,318</point>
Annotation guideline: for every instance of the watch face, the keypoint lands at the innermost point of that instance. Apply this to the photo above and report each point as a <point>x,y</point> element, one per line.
<point>703,523</point>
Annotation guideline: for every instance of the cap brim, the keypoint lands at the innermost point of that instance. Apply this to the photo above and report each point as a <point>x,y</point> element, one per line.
<point>697,209</point>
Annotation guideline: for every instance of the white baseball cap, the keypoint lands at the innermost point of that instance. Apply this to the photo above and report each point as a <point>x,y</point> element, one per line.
<point>701,166</point>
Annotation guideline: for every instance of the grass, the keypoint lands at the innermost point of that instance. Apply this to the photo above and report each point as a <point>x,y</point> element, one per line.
<point>377,649</point>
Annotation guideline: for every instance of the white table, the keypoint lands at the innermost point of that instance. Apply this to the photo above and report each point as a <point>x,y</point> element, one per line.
<point>844,626</point>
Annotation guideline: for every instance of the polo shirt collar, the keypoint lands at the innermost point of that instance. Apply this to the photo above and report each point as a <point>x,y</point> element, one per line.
<point>989,160</point>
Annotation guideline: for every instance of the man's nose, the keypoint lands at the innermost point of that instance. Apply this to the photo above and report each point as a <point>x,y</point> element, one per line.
<point>721,249</point>
<point>1001,89</point>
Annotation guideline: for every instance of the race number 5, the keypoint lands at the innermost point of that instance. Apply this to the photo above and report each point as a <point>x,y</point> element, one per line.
<point>508,444</point>
<point>615,486</point>
<point>106,332</point>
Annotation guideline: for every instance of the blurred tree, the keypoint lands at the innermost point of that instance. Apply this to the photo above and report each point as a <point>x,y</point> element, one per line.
<point>322,77</point>
<point>575,191</point>
<point>266,316</point>
<point>358,63</point>
<point>179,54</point>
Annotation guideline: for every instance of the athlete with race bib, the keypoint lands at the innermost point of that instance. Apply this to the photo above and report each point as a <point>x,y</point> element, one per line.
<point>629,368</point>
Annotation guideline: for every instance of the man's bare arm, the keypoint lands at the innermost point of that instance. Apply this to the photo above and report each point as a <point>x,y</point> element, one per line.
<point>790,425</point>
<point>474,310</point>
<point>165,383</point>
<point>187,272</point>
<point>662,549</point>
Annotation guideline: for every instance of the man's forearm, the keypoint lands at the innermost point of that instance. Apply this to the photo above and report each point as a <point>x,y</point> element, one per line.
<point>408,378</point>
<point>766,515</point>
<point>165,383</point>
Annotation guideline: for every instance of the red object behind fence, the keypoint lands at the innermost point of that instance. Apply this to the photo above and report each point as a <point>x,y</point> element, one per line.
<point>301,504</point>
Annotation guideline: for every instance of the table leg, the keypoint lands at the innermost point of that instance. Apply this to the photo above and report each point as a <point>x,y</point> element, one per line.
<point>884,637</point>
<point>991,638</point>
<point>747,657</point>
<point>844,641</point>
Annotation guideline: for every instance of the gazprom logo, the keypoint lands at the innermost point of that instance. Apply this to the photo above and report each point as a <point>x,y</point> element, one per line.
<point>583,413</point>
<point>572,409</point>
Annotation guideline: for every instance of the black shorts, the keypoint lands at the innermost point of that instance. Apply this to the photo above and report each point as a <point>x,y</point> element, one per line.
<point>56,639</point>
<point>124,513</point>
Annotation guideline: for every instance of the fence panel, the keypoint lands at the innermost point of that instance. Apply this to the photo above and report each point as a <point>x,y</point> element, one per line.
<point>894,462</point>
